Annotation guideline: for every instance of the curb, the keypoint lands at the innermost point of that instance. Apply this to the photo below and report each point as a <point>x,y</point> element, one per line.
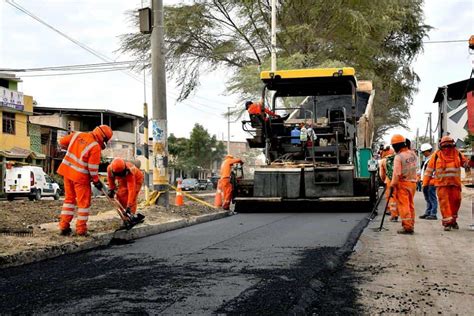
<point>312,292</point>
<point>103,240</point>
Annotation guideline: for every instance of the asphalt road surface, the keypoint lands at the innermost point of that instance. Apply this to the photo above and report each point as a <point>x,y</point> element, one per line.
<point>243,264</point>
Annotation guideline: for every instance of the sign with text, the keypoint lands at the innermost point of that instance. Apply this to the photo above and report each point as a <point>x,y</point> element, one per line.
<point>11,99</point>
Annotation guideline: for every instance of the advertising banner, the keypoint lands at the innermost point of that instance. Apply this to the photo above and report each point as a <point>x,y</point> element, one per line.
<point>11,99</point>
<point>470,112</point>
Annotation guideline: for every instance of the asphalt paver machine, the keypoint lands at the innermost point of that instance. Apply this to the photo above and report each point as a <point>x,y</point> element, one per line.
<point>329,168</point>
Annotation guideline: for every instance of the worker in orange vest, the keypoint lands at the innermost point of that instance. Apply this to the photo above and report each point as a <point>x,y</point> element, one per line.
<point>446,164</point>
<point>404,183</point>
<point>386,173</point>
<point>226,185</point>
<point>130,180</point>
<point>256,109</point>
<point>79,167</point>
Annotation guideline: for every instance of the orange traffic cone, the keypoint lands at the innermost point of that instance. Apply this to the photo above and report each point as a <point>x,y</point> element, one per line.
<point>179,195</point>
<point>218,198</point>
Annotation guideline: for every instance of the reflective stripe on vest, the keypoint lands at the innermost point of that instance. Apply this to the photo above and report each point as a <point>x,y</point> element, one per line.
<point>84,167</point>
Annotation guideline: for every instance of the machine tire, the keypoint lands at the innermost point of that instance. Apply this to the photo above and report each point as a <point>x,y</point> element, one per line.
<point>56,195</point>
<point>37,195</point>
<point>10,197</point>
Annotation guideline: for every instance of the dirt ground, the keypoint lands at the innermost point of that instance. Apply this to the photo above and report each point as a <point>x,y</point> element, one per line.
<point>428,273</point>
<point>41,218</point>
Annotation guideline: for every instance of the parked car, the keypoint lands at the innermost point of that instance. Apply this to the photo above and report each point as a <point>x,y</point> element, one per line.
<point>205,184</point>
<point>190,184</point>
<point>31,182</point>
<point>214,181</point>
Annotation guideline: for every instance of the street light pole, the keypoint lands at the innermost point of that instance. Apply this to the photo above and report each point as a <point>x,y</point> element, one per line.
<point>159,117</point>
<point>273,38</point>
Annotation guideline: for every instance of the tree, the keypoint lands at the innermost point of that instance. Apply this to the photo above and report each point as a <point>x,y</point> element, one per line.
<point>380,39</point>
<point>196,153</point>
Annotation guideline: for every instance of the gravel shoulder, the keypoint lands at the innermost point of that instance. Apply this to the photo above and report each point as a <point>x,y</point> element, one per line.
<point>430,272</point>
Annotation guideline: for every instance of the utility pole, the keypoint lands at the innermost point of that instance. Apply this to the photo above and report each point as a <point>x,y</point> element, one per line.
<point>430,127</point>
<point>228,130</point>
<point>273,38</point>
<point>444,113</point>
<point>146,151</point>
<point>159,117</point>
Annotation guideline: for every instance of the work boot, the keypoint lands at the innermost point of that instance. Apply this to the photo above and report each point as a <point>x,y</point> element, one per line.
<point>447,228</point>
<point>394,219</point>
<point>455,226</point>
<point>431,217</point>
<point>424,216</point>
<point>82,234</point>
<point>65,232</point>
<point>403,231</point>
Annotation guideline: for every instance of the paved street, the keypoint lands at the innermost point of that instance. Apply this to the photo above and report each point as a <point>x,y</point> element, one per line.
<point>240,264</point>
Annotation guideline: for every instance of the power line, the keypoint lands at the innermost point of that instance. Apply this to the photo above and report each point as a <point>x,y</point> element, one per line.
<point>69,67</point>
<point>77,73</point>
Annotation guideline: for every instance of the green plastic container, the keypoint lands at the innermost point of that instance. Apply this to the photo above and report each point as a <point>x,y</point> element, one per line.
<point>362,163</point>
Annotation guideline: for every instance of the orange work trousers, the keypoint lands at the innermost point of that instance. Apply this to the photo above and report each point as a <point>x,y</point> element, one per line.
<point>76,194</point>
<point>449,198</point>
<point>404,195</point>
<point>226,188</point>
<point>392,203</point>
<point>122,196</point>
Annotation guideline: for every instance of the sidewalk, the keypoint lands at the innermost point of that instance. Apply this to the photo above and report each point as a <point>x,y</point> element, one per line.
<point>430,272</point>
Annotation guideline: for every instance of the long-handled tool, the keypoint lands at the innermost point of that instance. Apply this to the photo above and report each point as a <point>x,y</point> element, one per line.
<point>377,203</point>
<point>129,220</point>
<point>390,194</point>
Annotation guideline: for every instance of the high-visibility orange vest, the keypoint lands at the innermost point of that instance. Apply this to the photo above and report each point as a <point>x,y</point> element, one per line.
<point>447,168</point>
<point>407,159</point>
<point>82,159</point>
<point>129,182</point>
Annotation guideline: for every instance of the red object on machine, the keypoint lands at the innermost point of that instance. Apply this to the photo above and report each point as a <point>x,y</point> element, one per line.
<point>470,112</point>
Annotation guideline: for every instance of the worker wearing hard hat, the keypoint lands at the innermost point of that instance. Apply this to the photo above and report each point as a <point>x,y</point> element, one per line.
<point>386,171</point>
<point>79,167</point>
<point>446,165</point>
<point>225,184</point>
<point>130,180</point>
<point>404,182</point>
<point>429,190</point>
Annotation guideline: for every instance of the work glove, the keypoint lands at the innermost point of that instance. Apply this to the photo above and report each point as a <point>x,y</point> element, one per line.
<point>390,192</point>
<point>111,194</point>
<point>128,210</point>
<point>98,185</point>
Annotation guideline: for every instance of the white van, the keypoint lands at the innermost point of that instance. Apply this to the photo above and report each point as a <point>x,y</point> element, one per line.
<point>29,181</point>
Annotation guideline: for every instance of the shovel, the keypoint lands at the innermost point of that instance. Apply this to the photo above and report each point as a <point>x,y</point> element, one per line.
<point>128,219</point>
<point>385,210</point>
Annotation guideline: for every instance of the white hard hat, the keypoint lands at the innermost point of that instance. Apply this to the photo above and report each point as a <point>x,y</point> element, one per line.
<point>425,147</point>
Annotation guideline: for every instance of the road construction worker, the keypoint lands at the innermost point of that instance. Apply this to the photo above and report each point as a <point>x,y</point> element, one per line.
<point>404,182</point>
<point>226,185</point>
<point>256,109</point>
<point>130,180</point>
<point>79,167</point>
<point>386,172</point>
<point>446,165</point>
<point>429,190</point>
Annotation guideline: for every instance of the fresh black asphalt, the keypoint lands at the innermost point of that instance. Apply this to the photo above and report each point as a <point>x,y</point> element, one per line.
<point>243,264</point>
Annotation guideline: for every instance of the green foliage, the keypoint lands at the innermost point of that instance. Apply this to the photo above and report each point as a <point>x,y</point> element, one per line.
<point>379,39</point>
<point>195,153</point>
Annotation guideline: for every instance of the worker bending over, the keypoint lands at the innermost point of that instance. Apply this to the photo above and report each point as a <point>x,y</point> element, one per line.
<point>226,185</point>
<point>404,183</point>
<point>79,167</point>
<point>258,109</point>
<point>130,180</point>
<point>446,164</point>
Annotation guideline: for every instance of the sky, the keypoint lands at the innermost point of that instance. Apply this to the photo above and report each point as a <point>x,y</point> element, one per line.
<point>25,43</point>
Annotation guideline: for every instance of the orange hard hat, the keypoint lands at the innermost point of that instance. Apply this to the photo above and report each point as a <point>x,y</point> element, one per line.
<point>397,139</point>
<point>118,165</point>
<point>103,134</point>
<point>446,140</point>
<point>228,157</point>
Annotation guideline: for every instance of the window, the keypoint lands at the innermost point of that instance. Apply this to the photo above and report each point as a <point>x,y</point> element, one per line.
<point>8,123</point>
